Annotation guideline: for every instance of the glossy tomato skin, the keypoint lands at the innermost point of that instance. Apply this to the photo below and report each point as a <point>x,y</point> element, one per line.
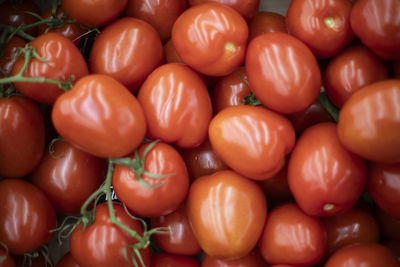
<point>216,206</point>
<point>217,49</point>
<point>324,177</point>
<point>171,260</point>
<point>266,22</point>
<point>282,72</point>
<point>177,105</point>
<point>117,110</point>
<point>63,62</point>
<point>351,70</point>
<point>14,14</point>
<point>363,254</point>
<point>94,13</point>
<point>103,243</point>
<point>163,159</point>
<point>369,123</point>
<point>67,261</point>
<point>128,50</point>
<point>377,24</point>
<point>292,237</point>
<point>324,26</point>
<point>253,259</point>
<point>180,240</point>
<point>70,178</point>
<point>22,136</point>
<point>253,141</point>
<point>384,187</point>
<point>26,216</point>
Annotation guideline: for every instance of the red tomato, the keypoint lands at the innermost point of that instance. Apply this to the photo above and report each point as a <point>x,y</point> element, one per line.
<point>63,62</point>
<point>170,260</point>
<point>349,71</point>
<point>324,26</point>
<point>70,178</point>
<point>266,22</point>
<point>292,237</point>
<point>127,50</point>
<point>180,239</point>
<point>15,14</point>
<point>363,254</point>
<point>5,259</point>
<point>100,116</point>
<point>253,141</point>
<point>394,246</point>
<point>94,13</point>
<point>7,58</point>
<point>282,72</point>
<point>388,225</point>
<point>162,159</point>
<point>103,243</point>
<point>26,216</point>
<point>177,105</point>
<point>384,187</point>
<point>171,55</point>
<point>277,188</point>
<point>211,38</point>
<point>67,261</point>
<point>377,24</point>
<point>159,14</point>
<point>253,259</point>
<point>227,213</point>
<point>22,136</point>
<point>369,122</point>
<point>324,177</point>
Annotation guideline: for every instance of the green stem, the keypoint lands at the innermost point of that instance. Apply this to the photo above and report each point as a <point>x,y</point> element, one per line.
<point>327,104</point>
<point>16,31</point>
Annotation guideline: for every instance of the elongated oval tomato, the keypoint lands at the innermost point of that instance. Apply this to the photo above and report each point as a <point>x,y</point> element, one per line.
<point>282,72</point>
<point>369,122</point>
<point>177,105</point>
<point>227,213</point>
<point>253,141</point>
<point>100,116</point>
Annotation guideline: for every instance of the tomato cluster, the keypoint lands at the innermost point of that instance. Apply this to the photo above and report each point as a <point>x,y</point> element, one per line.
<point>200,133</point>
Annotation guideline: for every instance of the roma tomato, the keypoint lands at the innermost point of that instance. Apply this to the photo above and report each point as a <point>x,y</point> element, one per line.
<point>216,49</point>
<point>68,177</point>
<point>253,141</point>
<point>170,191</point>
<point>177,105</point>
<point>16,14</point>
<point>324,26</point>
<point>67,261</point>
<point>292,237</point>
<point>282,72</point>
<point>100,116</point>
<point>265,22</point>
<point>22,136</point>
<point>105,244</point>
<point>324,177</point>
<point>63,62</point>
<point>253,259</point>
<point>26,216</point>
<point>128,50</point>
<point>171,260</point>
<point>349,71</point>
<point>369,122</point>
<point>377,24</point>
<point>227,213</point>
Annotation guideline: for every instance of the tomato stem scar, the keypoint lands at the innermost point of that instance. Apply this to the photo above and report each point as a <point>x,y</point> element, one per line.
<point>330,22</point>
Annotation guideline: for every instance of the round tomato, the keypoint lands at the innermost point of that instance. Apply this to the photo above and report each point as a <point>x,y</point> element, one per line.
<point>26,216</point>
<point>282,72</point>
<point>17,14</point>
<point>171,260</point>
<point>369,122</point>
<point>265,22</point>
<point>324,177</point>
<point>253,141</point>
<point>227,213</point>
<point>67,261</point>
<point>253,259</point>
<point>100,116</point>
<point>216,49</point>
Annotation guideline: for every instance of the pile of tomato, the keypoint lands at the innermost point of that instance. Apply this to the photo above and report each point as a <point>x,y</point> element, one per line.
<point>200,133</point>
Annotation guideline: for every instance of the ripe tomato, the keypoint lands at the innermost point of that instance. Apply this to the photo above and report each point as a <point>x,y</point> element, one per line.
<point>369,122</point>
<point>177,105</point>
<point>7,58</point>
<point>100,116</point>
<point>349,71</point>
<point>63,62</point>
<point>67,261</point>
<point>128,50</point>
<point>292,237</point>
<point>26,216</point>
<point>170,53</point>
<point>253,141</point>
<point>253,259</point>
<point>103,243</point>
<point>277,188</point>
<point>227,213</point>
<point>282,72</point>
<point>171,260</point>
<point>324,177</point>
<point>394,246</point>
<point>22,136</point>
<point>265,22</point>
<point>377,24</point>
<point>70,178</point>
<point>388,225</point>
<point>162,159</point>
<point>5,259</point>
<point>15,14</point>
<point>211,38</point>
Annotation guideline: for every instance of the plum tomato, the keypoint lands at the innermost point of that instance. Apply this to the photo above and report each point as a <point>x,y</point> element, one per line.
<point>265,22</point>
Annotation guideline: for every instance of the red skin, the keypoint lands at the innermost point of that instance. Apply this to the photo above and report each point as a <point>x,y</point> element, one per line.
<point>265,22</point>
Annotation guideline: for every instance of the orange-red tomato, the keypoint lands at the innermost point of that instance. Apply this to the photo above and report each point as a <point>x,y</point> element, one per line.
<point>253,259</point>
<point>265,22</point>
<point>170,53</point>
<point>67,261</point>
